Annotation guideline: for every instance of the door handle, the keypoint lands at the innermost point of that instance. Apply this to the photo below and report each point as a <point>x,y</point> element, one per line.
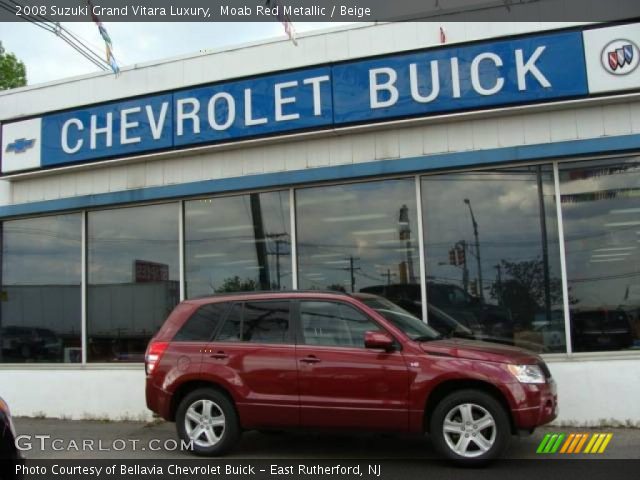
<point>310,359</point>
<point>219,355</point>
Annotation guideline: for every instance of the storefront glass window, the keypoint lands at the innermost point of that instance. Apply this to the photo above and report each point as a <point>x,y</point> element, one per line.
<point>492,255</point>
<point>40,317</point>
<point>601,216</point>
<point>133,279</point>
<point>239,243</point>
<point>361,237</point>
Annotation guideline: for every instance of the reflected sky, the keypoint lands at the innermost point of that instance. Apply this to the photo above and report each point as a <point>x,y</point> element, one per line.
<point>42,251</point>
<point>507,207</point>
<point>601,207</point>
<point>238,243</point>
<point>365,230</point>
<point>119,237</point>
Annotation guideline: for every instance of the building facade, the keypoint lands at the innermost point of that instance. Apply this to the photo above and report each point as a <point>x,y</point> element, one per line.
<point>488,185</point>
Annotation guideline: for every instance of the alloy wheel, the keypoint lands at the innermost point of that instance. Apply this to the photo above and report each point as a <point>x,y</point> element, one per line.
<point>204,423</point>
<point>469,430</point>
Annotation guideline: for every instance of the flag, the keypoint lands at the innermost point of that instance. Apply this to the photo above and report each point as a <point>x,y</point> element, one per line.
<point>284,19</point>
<point>443,36</point>
<point>111,59</point>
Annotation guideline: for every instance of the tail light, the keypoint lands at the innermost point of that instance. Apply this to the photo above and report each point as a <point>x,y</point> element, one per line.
<point>154,353</point>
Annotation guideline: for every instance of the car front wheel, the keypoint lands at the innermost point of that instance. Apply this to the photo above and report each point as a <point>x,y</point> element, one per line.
<point>207,420</point>
<point>470,426</point>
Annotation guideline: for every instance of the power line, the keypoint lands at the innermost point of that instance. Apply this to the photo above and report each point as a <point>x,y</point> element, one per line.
<point>73,40</point>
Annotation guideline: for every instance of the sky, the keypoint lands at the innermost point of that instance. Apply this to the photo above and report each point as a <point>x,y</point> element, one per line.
<point>49,58</point>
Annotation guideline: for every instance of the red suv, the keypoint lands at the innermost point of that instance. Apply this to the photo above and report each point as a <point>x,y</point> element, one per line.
<point>315,360</point>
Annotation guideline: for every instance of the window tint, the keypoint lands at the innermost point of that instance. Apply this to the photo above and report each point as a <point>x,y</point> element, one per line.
<point>202,324</point>
<point>266,322</point>
<point>333,324</point>
<point>237,244</point>
<point>40,284</point>
<point>133,279</point>
<point>230,331</point>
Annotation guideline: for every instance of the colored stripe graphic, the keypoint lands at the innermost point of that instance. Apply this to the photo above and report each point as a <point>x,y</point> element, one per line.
<point>605,443</point>
<point>567,442</point>
<point>574,442</point>
<point>582,440</point>
<point>594,437</point>
<point>543,443</point>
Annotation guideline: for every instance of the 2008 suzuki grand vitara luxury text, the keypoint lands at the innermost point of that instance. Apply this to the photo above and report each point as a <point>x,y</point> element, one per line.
<point>224,364</point>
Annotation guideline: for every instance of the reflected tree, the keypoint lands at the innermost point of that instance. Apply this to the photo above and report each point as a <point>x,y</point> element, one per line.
<point>524,290</point>
<point>236,284</point>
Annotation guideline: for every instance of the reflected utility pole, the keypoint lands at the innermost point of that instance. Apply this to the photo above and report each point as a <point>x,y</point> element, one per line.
<point>545,247</point>
<point>405,236</point>
<point>278,241</point>
<point>352,271</point>
<point>477,241</point>
<point>261,246</point>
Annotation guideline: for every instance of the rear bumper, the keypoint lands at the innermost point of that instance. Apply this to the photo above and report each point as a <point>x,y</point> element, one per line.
<point>538,405</point>
<point>158,400</point>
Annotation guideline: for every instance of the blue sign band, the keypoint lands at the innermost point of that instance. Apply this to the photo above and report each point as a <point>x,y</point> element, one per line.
<point>483,75</point>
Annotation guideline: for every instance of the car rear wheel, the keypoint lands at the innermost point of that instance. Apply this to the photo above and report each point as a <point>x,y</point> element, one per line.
<point>470,426</point>
<point>208,420</point>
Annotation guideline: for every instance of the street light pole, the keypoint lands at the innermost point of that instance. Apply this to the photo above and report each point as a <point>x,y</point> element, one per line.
<point>477,241</point>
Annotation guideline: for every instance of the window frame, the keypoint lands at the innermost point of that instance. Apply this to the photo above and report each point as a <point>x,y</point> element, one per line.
<point>214,332</point>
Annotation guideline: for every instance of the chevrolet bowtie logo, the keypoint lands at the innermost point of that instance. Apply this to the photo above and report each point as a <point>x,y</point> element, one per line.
<point>20,145</point>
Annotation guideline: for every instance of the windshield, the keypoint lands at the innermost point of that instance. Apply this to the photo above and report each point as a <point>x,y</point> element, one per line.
<point>413,327</point>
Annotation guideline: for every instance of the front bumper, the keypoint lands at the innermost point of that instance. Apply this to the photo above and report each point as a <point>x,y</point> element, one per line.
<point>538,404</point>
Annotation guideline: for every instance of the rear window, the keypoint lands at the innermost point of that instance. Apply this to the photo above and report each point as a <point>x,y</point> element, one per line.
<point>203,324</point>
<point>266,322</point>
<point>257,322</point>
<point>230,331</point>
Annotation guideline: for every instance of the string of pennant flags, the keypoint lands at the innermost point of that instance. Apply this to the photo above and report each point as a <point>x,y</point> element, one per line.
<point>111,59</point>
<point>282,17</point>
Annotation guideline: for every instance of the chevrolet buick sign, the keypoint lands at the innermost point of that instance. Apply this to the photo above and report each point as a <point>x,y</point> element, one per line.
<point>484,75</point>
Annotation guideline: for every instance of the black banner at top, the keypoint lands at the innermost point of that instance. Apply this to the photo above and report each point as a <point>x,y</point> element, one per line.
<point>319,10</point>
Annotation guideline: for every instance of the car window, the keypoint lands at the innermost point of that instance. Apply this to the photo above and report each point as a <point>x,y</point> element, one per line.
<point>266,322</point>
<point>333,324</point>
<point>230,331</point>
<point>202,324</point>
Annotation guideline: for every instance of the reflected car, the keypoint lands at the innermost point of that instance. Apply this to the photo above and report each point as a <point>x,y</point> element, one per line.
<point>601,329</point>
<point>30,343</point>
<point>455,311</point>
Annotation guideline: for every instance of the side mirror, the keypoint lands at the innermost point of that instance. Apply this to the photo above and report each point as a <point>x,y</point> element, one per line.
<point>380,340</point>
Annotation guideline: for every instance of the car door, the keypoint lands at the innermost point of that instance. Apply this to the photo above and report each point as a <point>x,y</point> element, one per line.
<point>253,354</point>
<point>343,384</point>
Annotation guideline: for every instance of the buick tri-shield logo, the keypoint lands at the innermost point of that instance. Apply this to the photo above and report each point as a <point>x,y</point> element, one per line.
<point>620,57</point>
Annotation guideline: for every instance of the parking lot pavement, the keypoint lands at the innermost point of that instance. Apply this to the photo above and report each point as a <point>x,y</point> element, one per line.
<point>70,439</point>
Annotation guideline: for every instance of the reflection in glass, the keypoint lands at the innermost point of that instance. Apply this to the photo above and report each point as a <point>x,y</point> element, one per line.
<point>239,243</point>
<point>40,317</point>
<point>492,255</point>
<point>133,279</point>
<point>600,212</point>
<point>360,238</point>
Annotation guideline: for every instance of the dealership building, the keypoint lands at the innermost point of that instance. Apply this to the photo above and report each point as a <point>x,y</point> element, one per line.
<point>488,182</point>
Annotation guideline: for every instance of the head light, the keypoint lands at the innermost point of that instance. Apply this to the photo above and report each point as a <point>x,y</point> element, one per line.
<point>527,373</point>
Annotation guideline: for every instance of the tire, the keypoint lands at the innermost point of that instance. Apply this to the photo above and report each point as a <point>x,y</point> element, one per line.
<point>486,433</point>
<point>211,414</point>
